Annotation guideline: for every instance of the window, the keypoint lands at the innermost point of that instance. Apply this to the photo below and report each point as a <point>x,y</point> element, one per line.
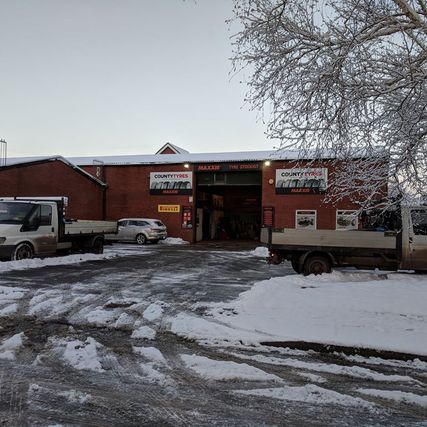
<point>306,219</point>
<point>419,221</point>
<point>347,220</point>
<point>45,215</point>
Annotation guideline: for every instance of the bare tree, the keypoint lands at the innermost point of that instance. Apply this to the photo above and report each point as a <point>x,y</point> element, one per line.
<point>342,78</point>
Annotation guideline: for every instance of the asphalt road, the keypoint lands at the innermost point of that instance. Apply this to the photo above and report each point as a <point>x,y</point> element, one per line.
<point>57,304</point>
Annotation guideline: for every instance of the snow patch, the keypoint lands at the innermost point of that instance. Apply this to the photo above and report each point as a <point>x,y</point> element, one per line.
<point>27,264</point>
<point>151,353</point>
<point>224,370</point>
<point>75,396</point>
<point>81,355</point>
<point>10,346</point>
<point>144,332</point>
<point>153,312</point>
<point>211,332</point>
<point>397,396</point>
<point>174,241</point>
<point>260,251</point>
<point>8,310</point>
<point>309,393</point>
<point>329,368</point>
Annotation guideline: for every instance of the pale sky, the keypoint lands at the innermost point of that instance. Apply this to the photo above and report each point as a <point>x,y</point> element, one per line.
<point>106,77</point>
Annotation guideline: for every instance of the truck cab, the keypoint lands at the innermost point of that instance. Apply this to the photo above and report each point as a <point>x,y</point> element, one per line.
<point>36,226</point>
<point>414,239</point>
<point>28,226</point>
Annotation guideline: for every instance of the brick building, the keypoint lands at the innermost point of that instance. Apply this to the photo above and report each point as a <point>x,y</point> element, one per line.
<point>55,176</point>
<point>198,196</point>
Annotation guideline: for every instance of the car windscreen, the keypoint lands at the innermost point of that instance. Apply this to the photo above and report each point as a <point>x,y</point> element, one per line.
<point>419,221</point>
<point>159,223</point>
<point>14,213</point>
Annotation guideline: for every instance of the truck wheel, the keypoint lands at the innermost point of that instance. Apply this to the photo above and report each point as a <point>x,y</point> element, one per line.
<point>98,246</point>
<point>22,251</point>
<point>296,266</point>
<point>317,265</point>
<point>141,239</point>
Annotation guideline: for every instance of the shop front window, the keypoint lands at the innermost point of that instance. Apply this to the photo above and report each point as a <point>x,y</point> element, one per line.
<point>306,219</point>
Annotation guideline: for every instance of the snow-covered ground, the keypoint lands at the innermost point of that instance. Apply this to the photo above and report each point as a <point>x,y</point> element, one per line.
<point>97,337</point>
<point>357,309</point>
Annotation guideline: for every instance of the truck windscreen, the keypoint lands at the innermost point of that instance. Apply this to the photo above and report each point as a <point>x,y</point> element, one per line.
<point>14,213</point>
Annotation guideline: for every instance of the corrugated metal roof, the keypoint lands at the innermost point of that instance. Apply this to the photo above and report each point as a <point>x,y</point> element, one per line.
<point>240,156</point>
<point>152,159</point>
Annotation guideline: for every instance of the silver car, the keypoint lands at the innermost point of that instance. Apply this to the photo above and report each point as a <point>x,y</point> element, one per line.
<point>139,230</point>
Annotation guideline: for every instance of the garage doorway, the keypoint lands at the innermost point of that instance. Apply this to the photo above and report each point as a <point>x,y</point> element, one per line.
<point>228,206</point>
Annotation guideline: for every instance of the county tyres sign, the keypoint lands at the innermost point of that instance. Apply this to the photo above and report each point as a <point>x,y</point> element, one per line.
<point>171,183</point>
<point>301,181</point>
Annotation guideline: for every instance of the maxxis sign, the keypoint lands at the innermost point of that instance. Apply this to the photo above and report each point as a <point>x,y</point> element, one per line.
<point>171,183</point>
<point>301,181</point>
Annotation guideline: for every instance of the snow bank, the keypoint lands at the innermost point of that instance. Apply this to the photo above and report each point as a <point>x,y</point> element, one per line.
<point>260,251</point>
<point>174,241</point>
<point>342,308</point>
<point>46,262</point>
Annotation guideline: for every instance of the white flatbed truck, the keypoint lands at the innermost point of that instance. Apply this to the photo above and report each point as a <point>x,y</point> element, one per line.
<point>318,251</point>
<point>37,227</point>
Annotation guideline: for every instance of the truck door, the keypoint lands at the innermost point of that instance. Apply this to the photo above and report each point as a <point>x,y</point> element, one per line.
<point>41,231</point>
<point>418,239</point>
<point>121,230</point>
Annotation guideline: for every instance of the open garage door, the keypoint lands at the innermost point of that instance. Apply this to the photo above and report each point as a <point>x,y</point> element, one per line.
<point>228,205</point>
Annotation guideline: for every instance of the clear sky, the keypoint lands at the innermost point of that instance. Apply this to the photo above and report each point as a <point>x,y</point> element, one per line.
<point>105,77</point>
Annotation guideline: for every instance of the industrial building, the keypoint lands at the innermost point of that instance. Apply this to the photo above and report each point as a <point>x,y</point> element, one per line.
<point>199,196</point>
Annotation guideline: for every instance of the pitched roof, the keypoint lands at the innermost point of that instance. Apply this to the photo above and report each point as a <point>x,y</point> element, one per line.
<point>23,161</point>
<point>173,147</point>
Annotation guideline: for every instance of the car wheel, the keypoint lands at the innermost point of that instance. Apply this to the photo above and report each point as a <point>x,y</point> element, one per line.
<point>22,251</point>
<point>141,239</point>
<point>317,265</point>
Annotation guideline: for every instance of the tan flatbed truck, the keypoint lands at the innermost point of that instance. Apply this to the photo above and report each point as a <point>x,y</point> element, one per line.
<point>318,251</point>
<point>37,227</point>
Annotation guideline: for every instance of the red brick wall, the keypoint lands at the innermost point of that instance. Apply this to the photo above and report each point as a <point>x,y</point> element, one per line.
<point>286,205</point>
<point>128,195</point>
<point>167,150</point>
<point>54,179</point>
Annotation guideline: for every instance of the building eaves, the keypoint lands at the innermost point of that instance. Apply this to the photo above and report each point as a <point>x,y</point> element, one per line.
<point>24,161</point>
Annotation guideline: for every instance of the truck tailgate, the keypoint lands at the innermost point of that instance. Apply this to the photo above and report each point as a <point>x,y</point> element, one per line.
<point>330,238</point>
<point>90,227</point>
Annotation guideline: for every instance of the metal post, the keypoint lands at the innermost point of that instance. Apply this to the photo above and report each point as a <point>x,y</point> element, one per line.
<point>3,152</point>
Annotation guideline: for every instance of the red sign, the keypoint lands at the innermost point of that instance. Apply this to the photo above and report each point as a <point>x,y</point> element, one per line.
<point>187,217</point>
<point>227,167</point>
<point>268,216</point>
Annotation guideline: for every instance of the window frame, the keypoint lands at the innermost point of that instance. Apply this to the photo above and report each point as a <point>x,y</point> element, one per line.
<point>306,212</point>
